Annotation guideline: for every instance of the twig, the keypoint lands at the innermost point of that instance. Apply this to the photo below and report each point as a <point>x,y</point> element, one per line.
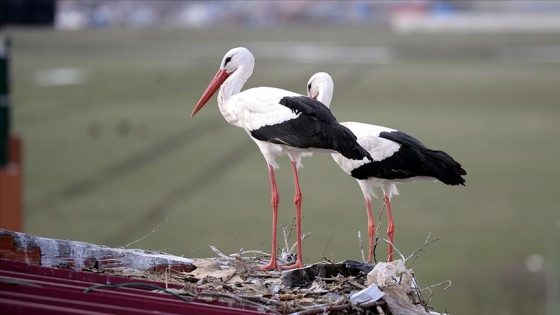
<point>396,249</point>
<point>262,243</point>
<point>134,284</point>
<point>292,226</point>
<point>438,284</point>
<point>286,238</point>
<point>258,252</point>
<point>261,299</point>
<point>237,299</point>
<point>379,219</point>
<point>374,249</point>
<point>379,310</point>
<point>361,245</point>
<point>320,309</point>
<point>145,236</point>
<point>356,284</point>
<point>421,249</point>
<point>220,254</point>
<point>304,236</point>
<point>324,251</point>
<point>429,288</point>
<point>370,304</point>
<point>377,233</point>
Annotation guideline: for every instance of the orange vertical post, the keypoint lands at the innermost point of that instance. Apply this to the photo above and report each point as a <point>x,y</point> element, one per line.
<point>11,188</point>
<point>11,196</point>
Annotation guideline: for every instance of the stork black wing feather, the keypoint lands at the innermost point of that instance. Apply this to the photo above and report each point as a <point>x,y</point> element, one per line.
<point>413,159</point>
<point>314,127</point>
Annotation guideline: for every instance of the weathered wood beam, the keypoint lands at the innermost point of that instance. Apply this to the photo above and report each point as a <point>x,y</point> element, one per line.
<point>48,252</point>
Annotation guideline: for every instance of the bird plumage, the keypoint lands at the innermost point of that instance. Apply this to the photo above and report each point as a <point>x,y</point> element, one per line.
<point>312,127</point>
<point>280,122</point>
<point>396,157</point>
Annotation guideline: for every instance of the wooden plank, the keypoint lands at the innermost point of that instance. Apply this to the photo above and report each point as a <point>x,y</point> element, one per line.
<point>40,251</point>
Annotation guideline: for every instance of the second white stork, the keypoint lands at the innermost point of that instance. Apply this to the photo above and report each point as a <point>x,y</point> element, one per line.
<point>397,157</point>
<point>280,122</point>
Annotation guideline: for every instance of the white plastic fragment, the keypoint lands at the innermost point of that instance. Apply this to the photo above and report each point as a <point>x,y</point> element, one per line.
<point>385,274</point>
<point>369,294</point>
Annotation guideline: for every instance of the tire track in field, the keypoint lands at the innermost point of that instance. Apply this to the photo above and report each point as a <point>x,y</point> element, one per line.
<point>217,168</point>
<point>125,166</point>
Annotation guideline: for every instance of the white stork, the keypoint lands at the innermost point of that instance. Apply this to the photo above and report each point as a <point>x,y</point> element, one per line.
<point>397,157</point>
<point>280,122</point>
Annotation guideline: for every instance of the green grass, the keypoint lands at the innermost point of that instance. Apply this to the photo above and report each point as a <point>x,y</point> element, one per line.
<point>499,118</point>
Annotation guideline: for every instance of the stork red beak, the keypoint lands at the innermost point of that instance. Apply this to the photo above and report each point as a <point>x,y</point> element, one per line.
<point>214,85</point>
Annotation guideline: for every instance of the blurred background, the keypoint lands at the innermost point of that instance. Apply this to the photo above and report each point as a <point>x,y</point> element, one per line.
<point>102,93</point>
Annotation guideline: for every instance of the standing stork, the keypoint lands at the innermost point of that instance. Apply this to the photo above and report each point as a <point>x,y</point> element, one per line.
<point>397,157</point>
<point>280,122</point>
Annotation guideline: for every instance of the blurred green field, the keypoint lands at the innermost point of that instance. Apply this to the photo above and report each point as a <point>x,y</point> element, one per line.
<point>110,160</point>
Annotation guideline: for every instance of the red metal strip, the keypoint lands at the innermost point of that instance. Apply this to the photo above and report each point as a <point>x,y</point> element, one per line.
<point>6,264</point>
<point>58,286</point>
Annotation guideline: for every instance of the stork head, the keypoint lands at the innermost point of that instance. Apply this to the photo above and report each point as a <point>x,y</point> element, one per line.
<point>321,88</point>
<point>237,60</point>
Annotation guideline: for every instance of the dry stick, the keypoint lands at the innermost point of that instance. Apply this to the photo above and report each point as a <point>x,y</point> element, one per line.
<point>368,304</point>
<point>220,254</point>
<point>333,307</point>
<point>421,249</point>
<point>416,288</point>
<point>304,236</point>
<point>429,288</point>
<point>238,299</point>
<point>292,226</point>
<point>398,252</point>
<point>238,254</point>
<point>260,298</point>
<point>377,233</point>
<point>418,292</point>
<point>324,251</point>
<point>373,250</point>
<point>152,232</point>
<point>379,310</point>
<point>323,308</point>
<point>252,251</point>
<point>362,245</point>
<point>262,243</point>
<point>286,238</point>
<point>356,284</point>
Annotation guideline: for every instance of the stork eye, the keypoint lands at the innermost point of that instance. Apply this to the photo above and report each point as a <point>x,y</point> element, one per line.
<point>309,87</point>
<point>228,59</point>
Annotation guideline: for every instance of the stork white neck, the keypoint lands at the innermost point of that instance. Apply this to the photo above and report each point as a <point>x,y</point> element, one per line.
<point>321,88</point>
<point>238,64</point>
<point>233,84</point>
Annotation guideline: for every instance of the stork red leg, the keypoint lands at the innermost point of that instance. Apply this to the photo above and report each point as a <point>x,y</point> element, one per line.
<point>275,200</point>
<point>390,228</point>
<point>371,230</point>
<point>297,202</point>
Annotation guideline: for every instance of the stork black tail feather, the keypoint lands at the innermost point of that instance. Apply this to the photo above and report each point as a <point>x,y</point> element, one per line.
<point>443,167</point>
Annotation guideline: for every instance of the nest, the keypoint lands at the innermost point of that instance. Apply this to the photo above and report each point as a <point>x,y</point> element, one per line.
<point>324,287</point>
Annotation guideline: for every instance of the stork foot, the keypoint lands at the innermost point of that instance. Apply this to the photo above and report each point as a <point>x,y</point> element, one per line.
<point>272,265</point>
<point>298,264</point>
